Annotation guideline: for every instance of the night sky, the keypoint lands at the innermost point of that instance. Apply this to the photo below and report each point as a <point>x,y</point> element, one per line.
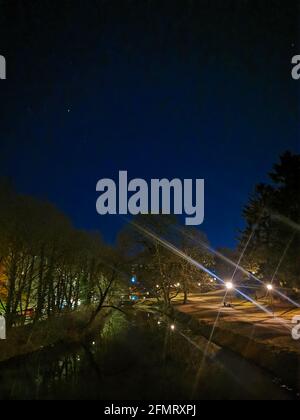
<point>176,89</point>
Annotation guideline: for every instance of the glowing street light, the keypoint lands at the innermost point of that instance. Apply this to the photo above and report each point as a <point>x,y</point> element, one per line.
<point>270,288</point>
<point>172,326</point>
<point>229,285</point>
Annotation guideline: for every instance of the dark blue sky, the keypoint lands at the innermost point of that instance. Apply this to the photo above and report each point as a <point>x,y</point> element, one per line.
<point>162,89</point>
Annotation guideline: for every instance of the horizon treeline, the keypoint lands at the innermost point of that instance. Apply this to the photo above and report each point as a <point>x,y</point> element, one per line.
<point>47,266</point>
<point>45,263</point>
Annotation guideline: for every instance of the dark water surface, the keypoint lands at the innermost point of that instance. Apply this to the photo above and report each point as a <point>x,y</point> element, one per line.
<point>137,357</point>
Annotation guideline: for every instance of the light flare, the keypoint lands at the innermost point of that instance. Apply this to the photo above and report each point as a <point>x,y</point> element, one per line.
<point>243,270</point>
<point>181,254</point>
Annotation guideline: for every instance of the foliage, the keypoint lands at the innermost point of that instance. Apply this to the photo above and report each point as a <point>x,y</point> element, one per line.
<point>164,274</point>
<point>47,266</point>
<point>273,225</point>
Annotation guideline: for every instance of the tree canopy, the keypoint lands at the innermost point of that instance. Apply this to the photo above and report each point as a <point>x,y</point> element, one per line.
<point>273,224</point>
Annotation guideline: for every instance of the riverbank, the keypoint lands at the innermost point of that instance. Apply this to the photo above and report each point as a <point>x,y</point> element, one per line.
<point>67,328</point>
<point>263,341</point>
<point>135,358</point>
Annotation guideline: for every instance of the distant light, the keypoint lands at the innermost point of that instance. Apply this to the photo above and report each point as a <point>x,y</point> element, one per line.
<point>133,279</point>
<point>158,322</point>
<point>229,285</point>
<point>157,286</point>
<point>94,343</point>
<point>199,284</point>
<point>269,287</point>
<point>172,327</point>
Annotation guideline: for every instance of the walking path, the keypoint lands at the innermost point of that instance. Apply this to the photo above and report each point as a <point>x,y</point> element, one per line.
<point>246,318</point>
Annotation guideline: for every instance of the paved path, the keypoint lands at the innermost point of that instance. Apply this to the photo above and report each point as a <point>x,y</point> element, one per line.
<point>246,318</point>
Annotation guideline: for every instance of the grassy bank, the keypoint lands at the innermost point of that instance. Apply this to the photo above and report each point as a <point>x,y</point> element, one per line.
<point>67,328</point>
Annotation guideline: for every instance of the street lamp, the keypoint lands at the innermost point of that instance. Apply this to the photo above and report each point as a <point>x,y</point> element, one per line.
<point>270,288</point>
<point>229,285</point>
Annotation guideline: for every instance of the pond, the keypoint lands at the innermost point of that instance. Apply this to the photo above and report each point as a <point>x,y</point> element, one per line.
<point>139,356</point>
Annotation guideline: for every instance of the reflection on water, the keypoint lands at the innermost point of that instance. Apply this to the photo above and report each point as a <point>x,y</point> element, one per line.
<point>136,357</point>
